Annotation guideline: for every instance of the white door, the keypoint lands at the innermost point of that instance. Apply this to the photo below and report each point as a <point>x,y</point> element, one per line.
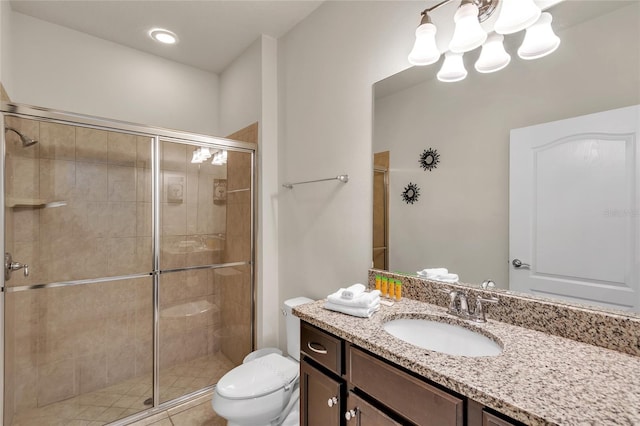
<point>574,209</point>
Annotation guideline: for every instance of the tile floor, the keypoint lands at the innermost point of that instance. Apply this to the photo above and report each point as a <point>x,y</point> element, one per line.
<point>194,413</point>
<point>126,398</point>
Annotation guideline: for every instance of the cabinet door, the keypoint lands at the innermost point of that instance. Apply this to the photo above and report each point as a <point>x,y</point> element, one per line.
<point>316,392</point>
<point>365,413</point>
<point>491,420</point>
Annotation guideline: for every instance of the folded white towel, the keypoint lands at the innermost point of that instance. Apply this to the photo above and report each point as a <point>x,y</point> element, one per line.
<point>353,291</point>
<point>356,312</point>
<point>433,272</point>
<point>447,278</point>
<point>364,300</point>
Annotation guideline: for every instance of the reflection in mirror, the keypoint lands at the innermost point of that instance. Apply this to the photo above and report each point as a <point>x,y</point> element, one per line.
<point>462,219</point>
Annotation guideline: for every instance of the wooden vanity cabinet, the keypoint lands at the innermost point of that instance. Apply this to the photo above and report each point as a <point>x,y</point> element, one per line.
<point>316,390</point>
<point>342,385</point>
<point>322,388</point>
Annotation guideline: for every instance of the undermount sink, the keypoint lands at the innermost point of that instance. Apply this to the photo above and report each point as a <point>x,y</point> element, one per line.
<point>437,336</point>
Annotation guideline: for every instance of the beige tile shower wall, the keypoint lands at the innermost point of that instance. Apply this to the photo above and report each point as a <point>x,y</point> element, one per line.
<point>235,331</point>
<point>104,179</point>
<point>75,340</point>
<point>235,283</point>
<point>193,227</point>
<point>189,316</point>
<point>63,342</point>
<point>193,232</point>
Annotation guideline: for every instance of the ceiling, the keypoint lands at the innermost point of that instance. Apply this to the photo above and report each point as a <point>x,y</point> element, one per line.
<point>212,33</point>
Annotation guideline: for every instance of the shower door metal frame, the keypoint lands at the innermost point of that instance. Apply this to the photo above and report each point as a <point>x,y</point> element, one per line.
<point>156,134</point>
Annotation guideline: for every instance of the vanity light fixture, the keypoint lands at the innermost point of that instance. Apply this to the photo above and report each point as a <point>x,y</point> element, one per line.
<point>163,36</point>
<point>514,16</point>
<point>452,68</point>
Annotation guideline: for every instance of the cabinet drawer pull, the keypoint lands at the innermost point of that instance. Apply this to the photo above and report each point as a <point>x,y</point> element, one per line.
<point>322,349</point>
<point>332,401</point>
<point>351,414</point>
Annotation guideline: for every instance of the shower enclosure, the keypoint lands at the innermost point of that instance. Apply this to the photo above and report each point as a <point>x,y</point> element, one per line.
<point>129,266</point>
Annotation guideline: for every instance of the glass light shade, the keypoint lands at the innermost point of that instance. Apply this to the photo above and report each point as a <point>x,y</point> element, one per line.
<point>540,40</point>
<point>453,68</point>
<point>425,51</point>
<point>468,33</point>
<point>196,157</point>
<point>493,56</point>
<point>516,15</point>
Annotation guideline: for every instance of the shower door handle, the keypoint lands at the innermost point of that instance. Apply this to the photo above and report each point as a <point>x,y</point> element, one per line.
<point>10,266</point>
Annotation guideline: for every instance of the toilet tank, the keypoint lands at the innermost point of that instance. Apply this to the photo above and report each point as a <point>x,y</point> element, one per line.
<point>293,326</point>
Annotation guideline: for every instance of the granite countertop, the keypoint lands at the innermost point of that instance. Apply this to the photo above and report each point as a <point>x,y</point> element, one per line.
<point>539,379</point>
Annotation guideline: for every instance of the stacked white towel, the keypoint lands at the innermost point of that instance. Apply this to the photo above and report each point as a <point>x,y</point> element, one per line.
<point>439,274</point>
<point>364,304</point>
<point>353,291</point>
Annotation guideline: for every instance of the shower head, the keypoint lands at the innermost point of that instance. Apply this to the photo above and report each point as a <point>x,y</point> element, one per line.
<point>25,140</point>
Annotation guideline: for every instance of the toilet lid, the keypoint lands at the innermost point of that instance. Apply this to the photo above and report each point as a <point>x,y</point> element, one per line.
<point>258,377</point>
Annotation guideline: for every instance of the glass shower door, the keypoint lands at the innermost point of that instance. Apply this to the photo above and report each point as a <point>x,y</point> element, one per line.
<point>78,318</point>
<point>205,309</point>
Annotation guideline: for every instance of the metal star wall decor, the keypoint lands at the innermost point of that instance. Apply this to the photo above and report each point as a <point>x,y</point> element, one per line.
<point>411,193</point>
<point>429,159</point>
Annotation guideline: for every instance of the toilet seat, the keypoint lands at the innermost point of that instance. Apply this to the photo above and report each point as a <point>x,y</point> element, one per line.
<point>259,377</point>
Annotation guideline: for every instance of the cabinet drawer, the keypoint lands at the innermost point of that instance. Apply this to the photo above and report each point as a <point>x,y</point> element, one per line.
<point>321,347</point>
<point>416,400</point>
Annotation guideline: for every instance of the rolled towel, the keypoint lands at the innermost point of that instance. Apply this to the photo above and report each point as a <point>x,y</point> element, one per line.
<point>430,273</point>
<point>447,278</point>
<point>356,312</point>
<point>364,300</point>
<point>353,291</point>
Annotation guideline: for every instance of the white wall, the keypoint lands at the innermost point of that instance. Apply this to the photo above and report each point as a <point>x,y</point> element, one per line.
<point>59,68</point>
<point>461,220</point>
<point>328,64</point>
<point>240,90</point>
<point>5,43</point>
<point>268,208</point>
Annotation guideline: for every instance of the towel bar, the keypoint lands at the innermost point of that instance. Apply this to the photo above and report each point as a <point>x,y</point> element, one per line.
<point>341,178</point>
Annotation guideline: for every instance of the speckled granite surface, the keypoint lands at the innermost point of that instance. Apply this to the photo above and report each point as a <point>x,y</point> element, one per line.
<point>539,379</point>
<point>611,330</point>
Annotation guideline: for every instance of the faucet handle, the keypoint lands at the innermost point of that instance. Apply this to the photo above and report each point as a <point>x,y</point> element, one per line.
<point>452,299</point>
<point>478,314</point>
<point>488,284</point>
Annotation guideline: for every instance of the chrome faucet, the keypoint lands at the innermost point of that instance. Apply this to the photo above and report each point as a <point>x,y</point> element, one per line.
<point>459,305</point>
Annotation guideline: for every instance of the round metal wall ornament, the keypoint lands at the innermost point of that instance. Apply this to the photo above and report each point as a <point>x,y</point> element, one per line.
<point>411,193</point>
<point>429,159</point>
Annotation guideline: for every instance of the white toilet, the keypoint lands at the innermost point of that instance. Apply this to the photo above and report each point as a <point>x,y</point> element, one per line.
<point>264,390</point>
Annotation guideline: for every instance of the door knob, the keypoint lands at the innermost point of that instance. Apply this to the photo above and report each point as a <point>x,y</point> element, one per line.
<point>332,401</point>
<point>351,414</point>
<point>10,266</point>
<point>517,263</point>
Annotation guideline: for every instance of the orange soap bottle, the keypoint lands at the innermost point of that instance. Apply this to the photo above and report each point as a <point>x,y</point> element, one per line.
<point>398,290</point>
<point>384,287</point>
<point>392,285</point>
<point>378,282</point>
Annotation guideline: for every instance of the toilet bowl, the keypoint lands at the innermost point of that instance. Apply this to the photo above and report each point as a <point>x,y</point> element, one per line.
<point>264,390</point>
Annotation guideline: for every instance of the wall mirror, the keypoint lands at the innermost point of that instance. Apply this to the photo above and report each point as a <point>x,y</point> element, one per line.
<point>462,219</point>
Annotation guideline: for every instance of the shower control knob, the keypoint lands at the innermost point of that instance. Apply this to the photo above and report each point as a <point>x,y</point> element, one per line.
<point>332,401</point>
<point>10,266</point>
<point>351,414</point>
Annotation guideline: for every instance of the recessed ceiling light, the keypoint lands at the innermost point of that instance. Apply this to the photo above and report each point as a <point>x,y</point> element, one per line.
<point>163,36</point>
